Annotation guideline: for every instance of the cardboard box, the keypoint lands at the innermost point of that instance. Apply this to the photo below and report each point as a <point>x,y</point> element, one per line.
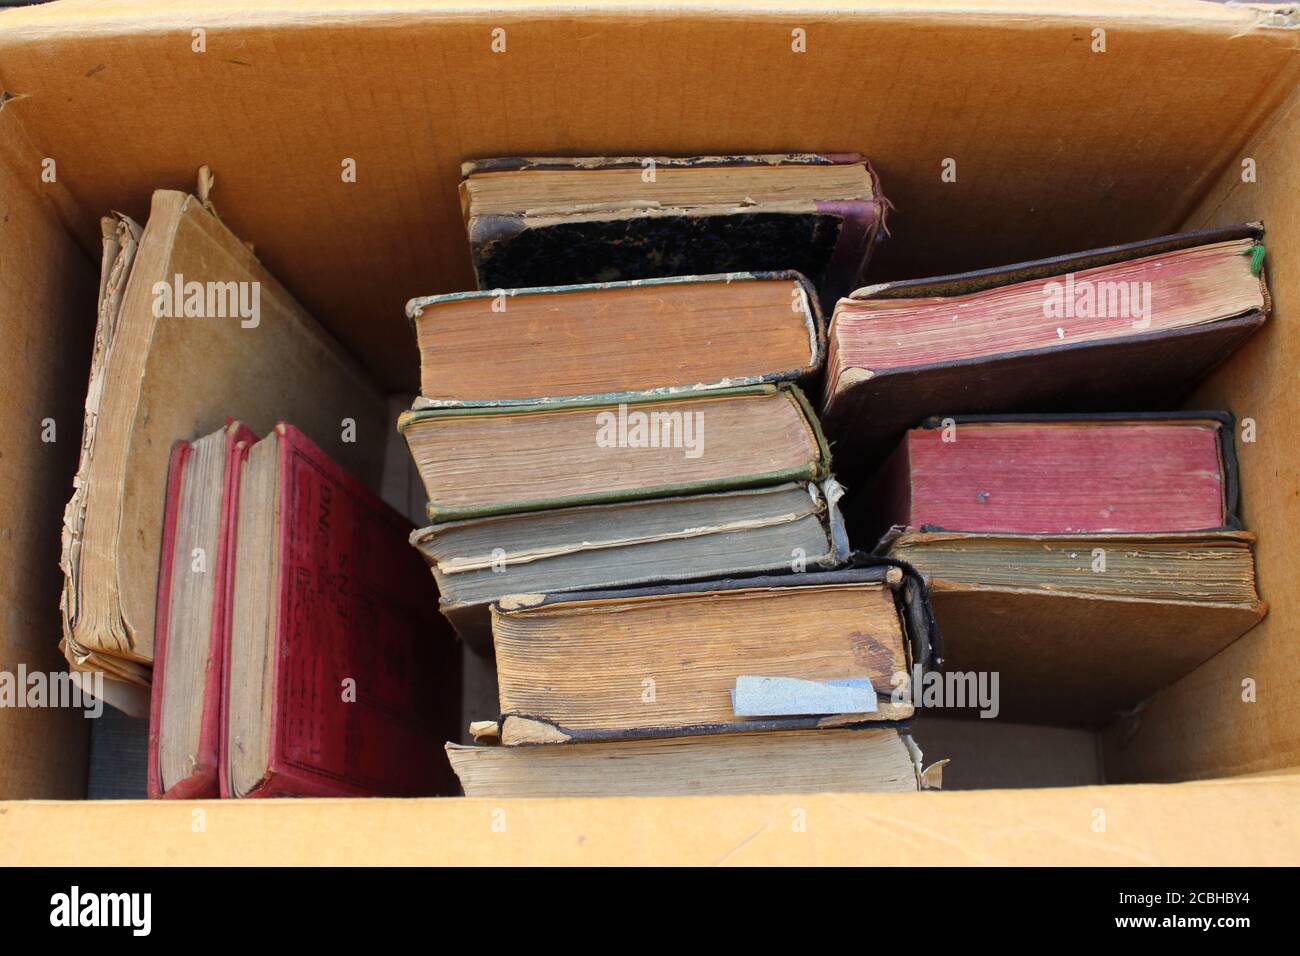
<point>1059,145</point>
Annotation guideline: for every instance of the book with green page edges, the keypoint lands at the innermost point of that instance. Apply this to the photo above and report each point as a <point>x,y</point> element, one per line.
<point>500,460</point>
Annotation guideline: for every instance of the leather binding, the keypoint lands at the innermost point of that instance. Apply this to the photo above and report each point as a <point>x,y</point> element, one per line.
<point>1078,659</point>
<point>807,376</point>
<point>868,514</point>
<point>353,601</point>
<point>1155,370</point>
<point>816,470</point>
<point>921,635</point>
<point>203,781</point>
<point>472,620</point>
<point>830,241</point>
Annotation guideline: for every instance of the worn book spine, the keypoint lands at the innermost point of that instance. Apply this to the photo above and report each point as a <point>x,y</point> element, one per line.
<point>203,782</point>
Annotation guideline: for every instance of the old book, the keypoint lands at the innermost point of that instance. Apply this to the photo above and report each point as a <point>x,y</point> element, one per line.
<point>342,678</point>
<point>809,761</point>
<point>535,222</point>
<point>502,459</point>
<point>1173,471</point>
<point>1083,627</point>
<point>773,528</point>
<point>1132,326</point>
<point>1215,567</point>
<point>193,602</point>
<point>674,660</point>
<point>669,336</point>
<point>191,329</point>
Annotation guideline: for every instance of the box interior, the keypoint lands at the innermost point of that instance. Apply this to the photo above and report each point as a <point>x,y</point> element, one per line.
<point>1057,148</point>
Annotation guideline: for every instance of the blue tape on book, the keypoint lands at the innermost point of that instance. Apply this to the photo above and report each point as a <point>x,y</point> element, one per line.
<point>795,697</point>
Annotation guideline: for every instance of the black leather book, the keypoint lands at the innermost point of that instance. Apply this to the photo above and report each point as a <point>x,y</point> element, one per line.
<point>542,222</point>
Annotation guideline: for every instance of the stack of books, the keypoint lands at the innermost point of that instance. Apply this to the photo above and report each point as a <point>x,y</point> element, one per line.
<point>191,330</point>
<point>305,661</point>
<point>632,511</point>
<point>606,435</point>
<point>1089,553</point>
<point>254,598</point>
<point>631,501</point>
<point>1123,328</point>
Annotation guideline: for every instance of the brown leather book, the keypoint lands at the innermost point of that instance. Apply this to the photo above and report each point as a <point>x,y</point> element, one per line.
<point>1083,627</point>
<point>787,652</point>
<point>800,761</point>
<point>668,336</point>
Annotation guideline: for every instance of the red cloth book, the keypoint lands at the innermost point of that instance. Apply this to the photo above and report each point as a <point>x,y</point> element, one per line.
<point>1059,474</point>
<point>202,780</point>
<point>343,679</point>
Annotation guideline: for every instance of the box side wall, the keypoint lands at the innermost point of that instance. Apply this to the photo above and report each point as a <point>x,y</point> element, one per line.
<point>1054,146</point>
<point>1197,823</point>
<point>995,753</point>
<point>47,321</point>
<point>1240,712</point>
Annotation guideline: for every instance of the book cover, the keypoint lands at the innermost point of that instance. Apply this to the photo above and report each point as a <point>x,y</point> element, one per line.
<point>202,782</point>
<point>865,411</point>
<point>364,675</point>
<point>665,661</point>
<point>1107,472</point>
<point>827,238</point>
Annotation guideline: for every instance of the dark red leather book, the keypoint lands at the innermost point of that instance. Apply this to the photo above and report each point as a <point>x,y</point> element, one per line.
<point>192,581</point>
<point>1062,474</point>
<point>343,679</point>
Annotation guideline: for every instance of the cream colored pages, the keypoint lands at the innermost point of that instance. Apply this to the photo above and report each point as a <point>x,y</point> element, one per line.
<point>175,376</point>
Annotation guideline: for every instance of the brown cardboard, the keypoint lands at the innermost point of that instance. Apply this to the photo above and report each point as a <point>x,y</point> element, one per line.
<point>1077,659</point>
<point>1229,734</point>
<point>1057,148</point>
<point>985,754</point>
<point>1238,822</point>
<point>47,313</point>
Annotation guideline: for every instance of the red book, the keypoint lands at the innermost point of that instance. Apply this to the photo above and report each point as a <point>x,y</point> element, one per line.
<point>1131,326</point>
<point>343,678</point>
<point>1060,474</point>
<point>193,599</point>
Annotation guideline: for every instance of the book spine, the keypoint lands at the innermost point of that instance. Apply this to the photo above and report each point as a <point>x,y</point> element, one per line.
<point>171,515</point>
